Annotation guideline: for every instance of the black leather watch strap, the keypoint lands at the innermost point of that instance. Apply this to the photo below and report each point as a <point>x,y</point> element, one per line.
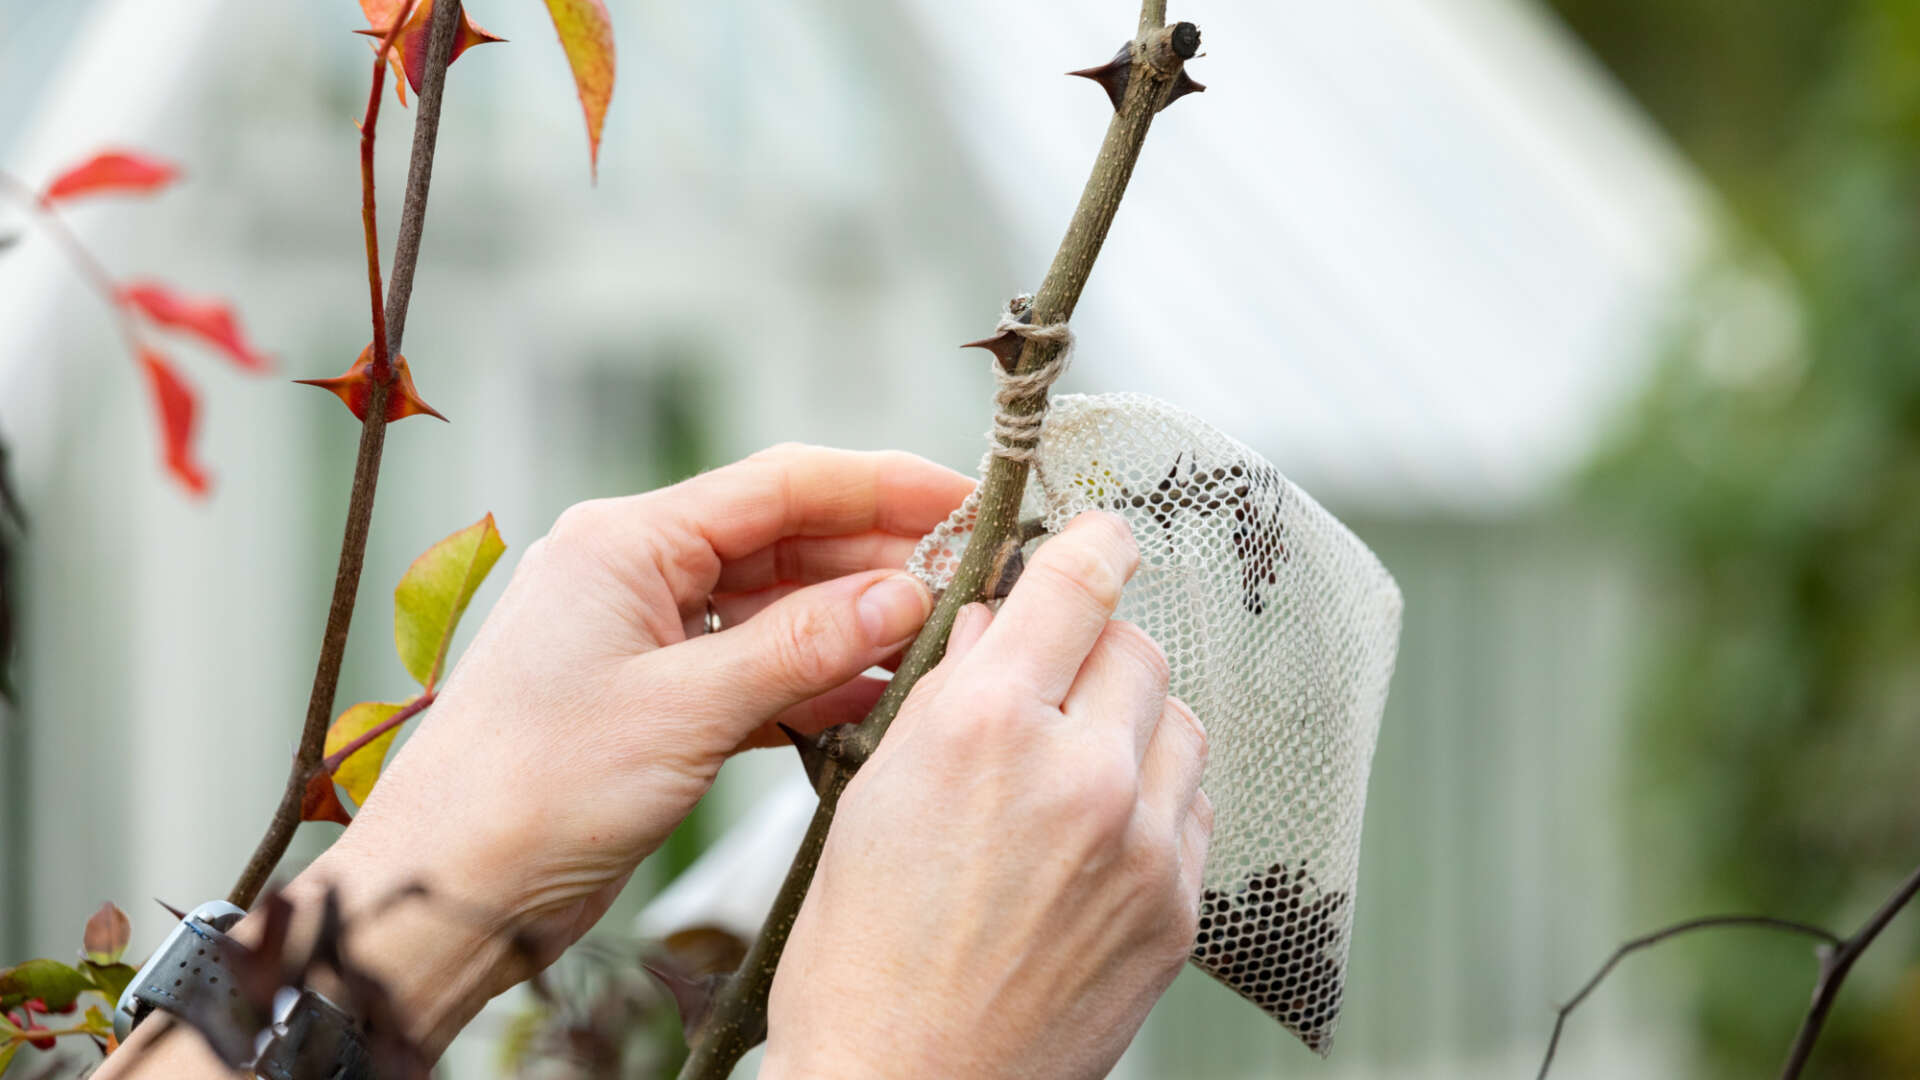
<point>192,976</point>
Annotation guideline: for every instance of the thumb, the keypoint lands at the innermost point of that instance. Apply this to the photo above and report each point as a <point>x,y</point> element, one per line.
<point>802,645</point>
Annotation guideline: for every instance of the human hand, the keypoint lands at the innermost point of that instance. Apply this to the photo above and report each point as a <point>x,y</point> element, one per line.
<point>591,713</point>
<point>1014,877</point>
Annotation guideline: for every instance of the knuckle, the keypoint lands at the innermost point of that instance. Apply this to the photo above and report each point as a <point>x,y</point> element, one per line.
<point>779,452</point>
<point>1137,645</point>
<point>582,527</point>
<point>1103,793</point>
<point>1179,712</point>
<point>807,649</point>
<point>1203,814</point>
<point>1071,567</point>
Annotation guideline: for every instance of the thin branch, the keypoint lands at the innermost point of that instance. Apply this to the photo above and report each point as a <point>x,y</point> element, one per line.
<point>405,713</point>
<point>1710,922</point>
<point>1837,957</point>
<point>90,268</point>
<point>369,219</point>
<point>387,326</point>
<point>738,1019</point>
<point>1834,967</point>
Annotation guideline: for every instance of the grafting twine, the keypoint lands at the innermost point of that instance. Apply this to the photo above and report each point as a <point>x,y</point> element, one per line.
<point>1015,435</point>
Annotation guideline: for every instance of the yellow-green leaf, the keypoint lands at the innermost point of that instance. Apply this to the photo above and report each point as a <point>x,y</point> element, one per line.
<point>586,33</point>
<point>97,1022</point>
<point>6,1054</point>
<point>434,593</point>
<point>358,772</point>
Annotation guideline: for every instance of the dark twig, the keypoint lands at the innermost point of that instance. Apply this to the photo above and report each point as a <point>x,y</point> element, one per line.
<point>737,1021</point>
<point>1837,956</point>
<point>1710,922</point>
<point>388,324</point>
<point>1835,963</point>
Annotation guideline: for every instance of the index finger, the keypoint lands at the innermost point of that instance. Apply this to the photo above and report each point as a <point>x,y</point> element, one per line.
<point>798,490</point>
<point>1060,605</point>
<point>689,531</point>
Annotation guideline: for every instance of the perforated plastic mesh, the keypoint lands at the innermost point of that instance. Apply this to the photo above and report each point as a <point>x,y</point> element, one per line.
<point>1280,627</point>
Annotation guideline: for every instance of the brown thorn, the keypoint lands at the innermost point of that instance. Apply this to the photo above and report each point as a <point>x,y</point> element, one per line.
<point>1112,75</point>
<point>813,757</point>
<point>1005,347</point>
<point>1183,84</point>
<point>692,997</point>
<point>1010,564</point>
<point>178,915</point>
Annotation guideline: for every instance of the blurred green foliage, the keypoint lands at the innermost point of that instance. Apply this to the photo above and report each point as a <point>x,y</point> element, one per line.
<point>1772,477</point>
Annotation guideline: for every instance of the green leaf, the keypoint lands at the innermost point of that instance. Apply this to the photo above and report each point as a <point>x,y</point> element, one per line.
<point>107,933</point>
<point>110,979</point>
<point>6,1054</point>
<point>49,980</point>
<point>358,772</point>
<point>434,593</point>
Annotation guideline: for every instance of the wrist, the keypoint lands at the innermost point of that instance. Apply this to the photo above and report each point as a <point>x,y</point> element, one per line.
<point>437,955</point>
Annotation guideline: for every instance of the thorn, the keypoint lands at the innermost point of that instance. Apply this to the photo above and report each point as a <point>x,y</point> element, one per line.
<point>813,757</point>
<point>1005,347</point>
<point>693,997</point>
<point>1112,75</point>
<point>1183,84</point>
<point>1012,564</point>
<point>178,915</point>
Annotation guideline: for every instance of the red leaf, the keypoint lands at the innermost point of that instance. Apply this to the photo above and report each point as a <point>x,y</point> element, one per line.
<point>209,320</point>
<point>355,388</point>
<point>111,171</point>
<point>411,46</point>
<point>174,399</point>
<point>586,35</point>
<point>319,803</point>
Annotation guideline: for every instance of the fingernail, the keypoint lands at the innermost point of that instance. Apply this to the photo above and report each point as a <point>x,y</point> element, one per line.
<point>894,607</point>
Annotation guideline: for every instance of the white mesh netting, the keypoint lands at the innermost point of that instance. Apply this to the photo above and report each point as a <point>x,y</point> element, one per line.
<point>1280,627</point>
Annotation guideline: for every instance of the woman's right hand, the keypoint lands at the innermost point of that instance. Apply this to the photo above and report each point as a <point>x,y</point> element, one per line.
<point>1014,878</point>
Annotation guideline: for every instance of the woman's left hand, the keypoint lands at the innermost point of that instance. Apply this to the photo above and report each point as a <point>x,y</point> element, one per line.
<point>592,711</point>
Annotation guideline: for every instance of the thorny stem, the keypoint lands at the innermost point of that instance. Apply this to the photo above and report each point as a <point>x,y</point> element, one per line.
<point>737,1021</point>
<point>388,324</point>
<point>1837,956</point>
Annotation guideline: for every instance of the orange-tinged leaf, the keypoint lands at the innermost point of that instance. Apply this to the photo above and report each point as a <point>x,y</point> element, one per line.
<point>319,803</point>
<point>355,388</point>
<point>107,933</point>
<point>358,772</point>
<point>410,47</point>
<point>175,402</point>
<point>586,34</point>
<point>209,320</point>
<point>113,170</point>
<point>435,592</point>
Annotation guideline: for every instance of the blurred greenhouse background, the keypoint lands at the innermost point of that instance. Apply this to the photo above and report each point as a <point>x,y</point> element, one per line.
<point>1599,319</point>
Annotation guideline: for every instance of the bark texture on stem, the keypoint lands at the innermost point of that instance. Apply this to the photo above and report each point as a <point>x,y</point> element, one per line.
<point>738,1020</point>
<point>388,322</point>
